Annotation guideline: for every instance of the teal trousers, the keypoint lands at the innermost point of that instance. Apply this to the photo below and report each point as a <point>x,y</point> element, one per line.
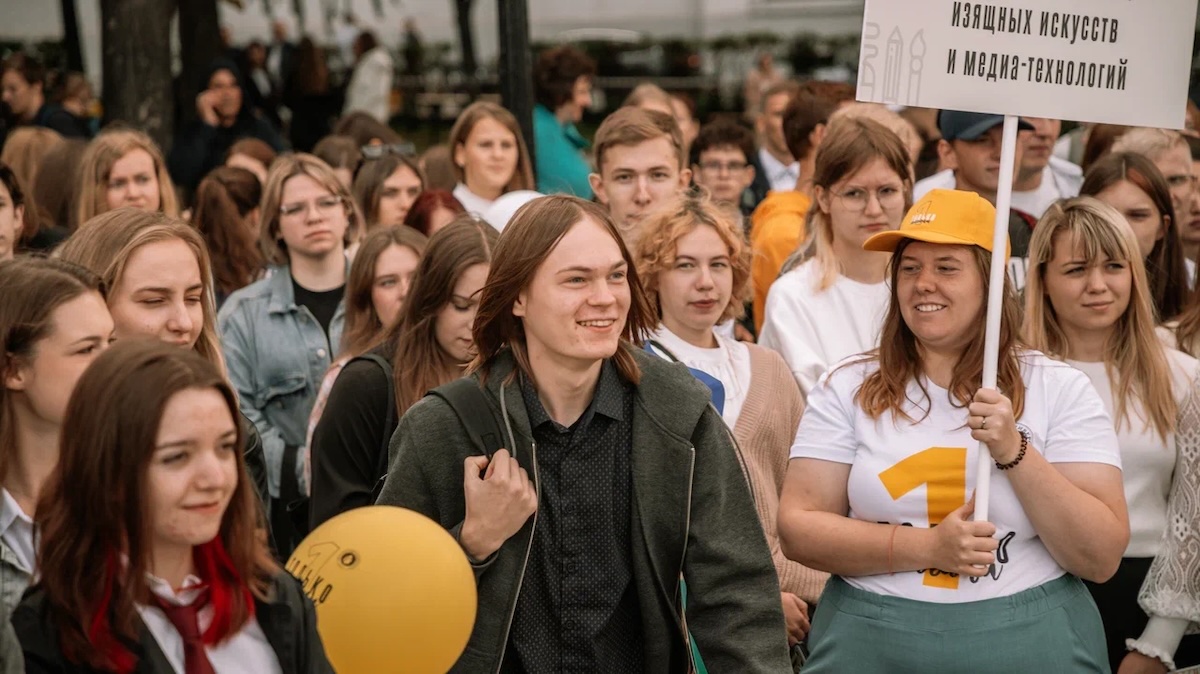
<point>1050,629</point>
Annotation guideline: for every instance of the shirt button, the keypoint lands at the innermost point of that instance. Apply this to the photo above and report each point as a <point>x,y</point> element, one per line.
<point>321,353</point>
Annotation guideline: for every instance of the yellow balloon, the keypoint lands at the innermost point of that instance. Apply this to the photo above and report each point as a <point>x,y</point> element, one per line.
<point>394,591</point>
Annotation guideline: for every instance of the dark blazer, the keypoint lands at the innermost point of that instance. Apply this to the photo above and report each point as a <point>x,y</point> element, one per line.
<point>288,620</point>
<point>693,514</point>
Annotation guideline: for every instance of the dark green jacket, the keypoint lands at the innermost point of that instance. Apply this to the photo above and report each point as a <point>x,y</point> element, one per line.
<point>692,515</point>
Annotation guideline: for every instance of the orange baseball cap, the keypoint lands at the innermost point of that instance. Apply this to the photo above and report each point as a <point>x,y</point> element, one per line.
<point>947,217</point>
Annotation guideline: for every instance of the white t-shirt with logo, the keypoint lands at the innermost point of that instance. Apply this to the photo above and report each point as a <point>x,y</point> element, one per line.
<point>916,473</point>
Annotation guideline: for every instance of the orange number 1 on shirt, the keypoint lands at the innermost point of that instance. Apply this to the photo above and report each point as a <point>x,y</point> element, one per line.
<point>943,471</point>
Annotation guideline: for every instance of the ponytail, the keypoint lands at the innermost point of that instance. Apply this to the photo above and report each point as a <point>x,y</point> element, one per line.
<point>224,199</point>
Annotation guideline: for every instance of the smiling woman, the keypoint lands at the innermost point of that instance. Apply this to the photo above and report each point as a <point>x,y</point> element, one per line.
<point>429,345</point>
<point>53,324</point>
<point>151,456</point>
<point>878,491</point>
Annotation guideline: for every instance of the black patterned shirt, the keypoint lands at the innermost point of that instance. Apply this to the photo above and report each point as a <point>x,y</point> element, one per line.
<point>578,608</point>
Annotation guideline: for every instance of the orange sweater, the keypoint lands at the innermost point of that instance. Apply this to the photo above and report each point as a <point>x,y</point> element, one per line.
<point>776,230</point>
<point>764,431</point>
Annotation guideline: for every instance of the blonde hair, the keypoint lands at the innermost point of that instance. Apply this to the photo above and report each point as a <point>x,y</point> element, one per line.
<point>658,246</point>
<point>904,129</point>
<point>1134,358</point>
<point>285,168</point>
<point>104,151</point>
<point>522,177</point>
<point>648,93</point>
<point>634,126</point>
<point>1150,143</point>
<point>105,243</point>
<point>24,150</point>
<point>850,144</point>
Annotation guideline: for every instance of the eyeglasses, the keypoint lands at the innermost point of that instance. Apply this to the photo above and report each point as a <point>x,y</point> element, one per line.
<point>325,206</point>
<point>377,151</point>
<point>718,168</point>
<point>856,199</point>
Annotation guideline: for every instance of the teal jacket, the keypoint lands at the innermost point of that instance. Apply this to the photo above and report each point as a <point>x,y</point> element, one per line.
<point>693,515</point>
<point>558,151</point>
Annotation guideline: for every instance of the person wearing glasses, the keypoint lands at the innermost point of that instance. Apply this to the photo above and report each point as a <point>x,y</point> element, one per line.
<point>722,154</point>
<point>279,334</point>
<point>831,304</point>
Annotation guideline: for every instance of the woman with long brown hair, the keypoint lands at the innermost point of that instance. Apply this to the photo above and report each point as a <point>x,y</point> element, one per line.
<point>150,523</point>
<point>879,491</point>
<point>379,283</point>
<point>227,216</point>
<point>386,186</point>
<point>53,324</point>
<point>429,346</point>
<point>489,156</point>
<point>1087,302</point>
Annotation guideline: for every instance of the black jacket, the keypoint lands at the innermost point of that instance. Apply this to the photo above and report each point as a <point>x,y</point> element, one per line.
<point>200,148</point>
<point>256,461</point>
<point>693,515</point>
<point>351,440</point>
<point>288,620</point>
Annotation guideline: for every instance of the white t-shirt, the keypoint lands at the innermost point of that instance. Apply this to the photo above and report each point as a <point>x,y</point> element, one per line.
<point>1060,180</point>
<point>916,473</point>
<point>1148,461</point>
<point>728,363</point>
<point>813,329</point>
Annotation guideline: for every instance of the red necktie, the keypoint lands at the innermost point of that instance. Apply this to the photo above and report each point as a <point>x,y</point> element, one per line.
<point>187,623</point>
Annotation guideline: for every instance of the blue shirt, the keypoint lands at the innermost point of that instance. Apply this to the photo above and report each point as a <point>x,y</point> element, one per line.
<point>558,150</point>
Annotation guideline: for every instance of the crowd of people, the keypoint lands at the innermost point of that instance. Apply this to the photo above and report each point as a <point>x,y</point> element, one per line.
<point>737,366</point>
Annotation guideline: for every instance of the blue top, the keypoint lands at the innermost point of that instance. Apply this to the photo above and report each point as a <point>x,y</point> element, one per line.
<point>558,149</point>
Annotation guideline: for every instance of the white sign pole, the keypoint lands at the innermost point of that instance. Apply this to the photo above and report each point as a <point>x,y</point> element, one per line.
<point>991,341</point>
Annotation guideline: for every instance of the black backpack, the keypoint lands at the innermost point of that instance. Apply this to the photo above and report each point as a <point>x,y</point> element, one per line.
<point>469,403</point>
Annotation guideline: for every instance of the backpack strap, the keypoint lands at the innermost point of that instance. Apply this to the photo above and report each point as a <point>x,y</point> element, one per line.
<point>390,420</point>
<point>468,401</point>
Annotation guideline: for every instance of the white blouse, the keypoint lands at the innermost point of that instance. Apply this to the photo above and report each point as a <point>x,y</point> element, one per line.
<point>246,651</point>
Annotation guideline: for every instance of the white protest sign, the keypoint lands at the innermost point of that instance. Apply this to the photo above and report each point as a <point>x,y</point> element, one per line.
<point>1114,61</point>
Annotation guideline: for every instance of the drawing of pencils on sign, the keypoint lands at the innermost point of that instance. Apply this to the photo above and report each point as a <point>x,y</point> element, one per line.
<point>916,62</point>
<point>866,78</point>
<point>891,67</point>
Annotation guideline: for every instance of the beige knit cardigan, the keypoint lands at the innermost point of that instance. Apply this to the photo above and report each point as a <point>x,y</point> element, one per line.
<point>765,430</point>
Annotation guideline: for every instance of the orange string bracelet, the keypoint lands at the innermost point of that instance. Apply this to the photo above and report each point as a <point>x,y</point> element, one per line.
<point>891,547</point>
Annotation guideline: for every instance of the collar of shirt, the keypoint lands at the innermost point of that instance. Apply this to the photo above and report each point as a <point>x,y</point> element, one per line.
<point>606,400</point>
<point>17,529</point>
<point>776,170</point>
<point>187,594</point>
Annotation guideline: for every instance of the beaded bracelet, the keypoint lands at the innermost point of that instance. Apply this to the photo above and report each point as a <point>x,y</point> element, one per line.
<point>1020,454</point>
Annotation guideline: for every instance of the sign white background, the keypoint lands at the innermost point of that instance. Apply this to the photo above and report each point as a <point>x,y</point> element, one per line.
<point>906,46</point>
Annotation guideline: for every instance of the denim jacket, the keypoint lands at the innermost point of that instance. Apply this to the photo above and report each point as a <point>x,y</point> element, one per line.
<point>277,354</point>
